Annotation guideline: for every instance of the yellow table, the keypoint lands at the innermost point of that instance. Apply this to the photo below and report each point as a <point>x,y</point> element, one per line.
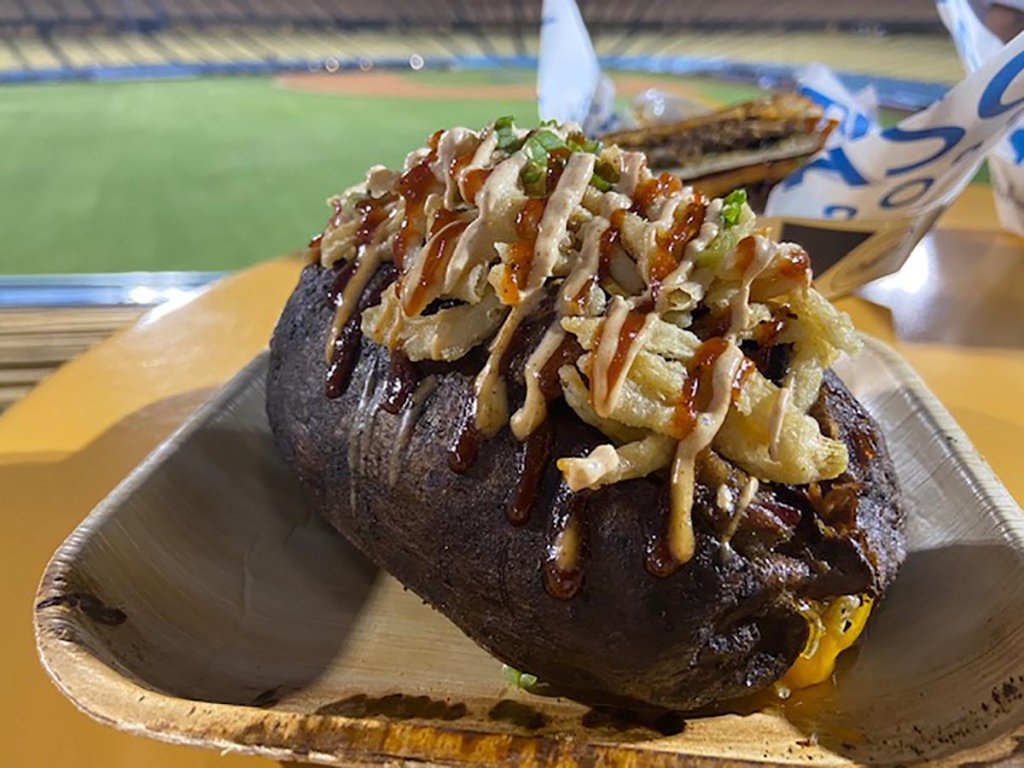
<point>956,312</point>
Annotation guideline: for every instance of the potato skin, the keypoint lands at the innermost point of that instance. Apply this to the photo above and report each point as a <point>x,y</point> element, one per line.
<point>719,628</point>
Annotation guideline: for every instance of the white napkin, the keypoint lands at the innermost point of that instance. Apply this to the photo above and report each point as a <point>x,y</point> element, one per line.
<point>919,165</point>
<point>855,113</point>
<point>976,44</point>
<point>570,85</point>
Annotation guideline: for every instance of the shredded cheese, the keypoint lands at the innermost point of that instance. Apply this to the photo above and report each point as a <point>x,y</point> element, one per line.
<point>832,629</point>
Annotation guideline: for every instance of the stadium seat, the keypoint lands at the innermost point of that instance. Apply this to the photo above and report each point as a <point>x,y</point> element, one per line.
<point>281,46</point>
<point>179,51</point>
<point>9,60</point>
<point>78,52</point>
<point>143,49</point>
<point>72,35</point>
<point>36,54</point>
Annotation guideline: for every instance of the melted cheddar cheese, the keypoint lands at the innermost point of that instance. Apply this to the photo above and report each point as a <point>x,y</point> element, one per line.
<point>834,627</point>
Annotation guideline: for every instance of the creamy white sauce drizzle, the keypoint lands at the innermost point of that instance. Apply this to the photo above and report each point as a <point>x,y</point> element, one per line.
<point>723,498</point>
<point>747,494</point>
<point>482,156</point>
<point>613,201</point>
<point>566,547</point>
<point>416,157</point>
<point>416,265</point>
<point>452,144</point>
<point>481,159</point>
<point>588,471</point>
<point>369,260</point>
<point>498,199</point>
<point>739,306</point>
<point>380,180</point>
<point>586,266</point>
<point>708,230</point>
<point>681,273</point>
<point>475,245</point>
<point>666,208</point>
<point>552,229</point>
<point>604,352</point>
<point>492,399</point>
<point>665,220</point>
<point>432,205</point>
<point>680,533</point>
<point>631,170</point>
<point>778,417</point>
<point>535,407</point>
<point>489,386</point>
<point>605,391</point>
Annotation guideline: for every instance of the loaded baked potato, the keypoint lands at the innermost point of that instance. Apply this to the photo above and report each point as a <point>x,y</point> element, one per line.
<point>586,413</point>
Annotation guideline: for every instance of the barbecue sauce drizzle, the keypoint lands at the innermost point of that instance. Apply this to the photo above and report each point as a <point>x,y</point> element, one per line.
<point>532,461</point>
<point>345,351</point>
<point>694,400</point>
<point>520,253</point>
<point>563,573</point>
<point>563,564</point>
<point>401,381</point>
<point>413,186</point>
<point>565,553</point>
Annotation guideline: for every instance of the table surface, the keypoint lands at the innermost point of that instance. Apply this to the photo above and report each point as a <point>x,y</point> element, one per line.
<point>955,312</point>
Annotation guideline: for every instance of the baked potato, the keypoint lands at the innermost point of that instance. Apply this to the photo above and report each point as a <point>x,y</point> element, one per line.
<point>586,413</point>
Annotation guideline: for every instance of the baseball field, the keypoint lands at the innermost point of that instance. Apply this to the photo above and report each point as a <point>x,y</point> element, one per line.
<point>215,174</point>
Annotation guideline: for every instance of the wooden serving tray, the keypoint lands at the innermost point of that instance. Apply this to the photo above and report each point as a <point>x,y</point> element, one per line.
<point>202,604</point>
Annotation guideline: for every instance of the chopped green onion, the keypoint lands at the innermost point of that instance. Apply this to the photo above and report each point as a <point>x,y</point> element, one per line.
<point>592,146</point>
<point>607,171</point>
<point>540,143</point>
<point>535,151</point>
<point>534,177</point>
<point>732,207</point>
<point>716,250</point>
<point>532,173</point>
<point>523,680</point>
<point>548,140</point>
<point>504,127</point>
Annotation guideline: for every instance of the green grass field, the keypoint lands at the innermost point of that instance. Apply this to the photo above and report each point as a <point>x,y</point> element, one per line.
<point>212,174</point>
<point>206,174</point>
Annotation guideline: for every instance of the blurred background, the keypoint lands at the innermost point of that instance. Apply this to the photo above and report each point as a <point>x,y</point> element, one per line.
<point>178,139</point>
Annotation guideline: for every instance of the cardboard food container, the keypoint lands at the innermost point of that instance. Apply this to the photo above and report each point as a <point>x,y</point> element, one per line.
<point>202,603</point>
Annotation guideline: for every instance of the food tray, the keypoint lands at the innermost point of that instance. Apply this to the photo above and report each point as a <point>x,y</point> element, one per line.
<point>202,604</point>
